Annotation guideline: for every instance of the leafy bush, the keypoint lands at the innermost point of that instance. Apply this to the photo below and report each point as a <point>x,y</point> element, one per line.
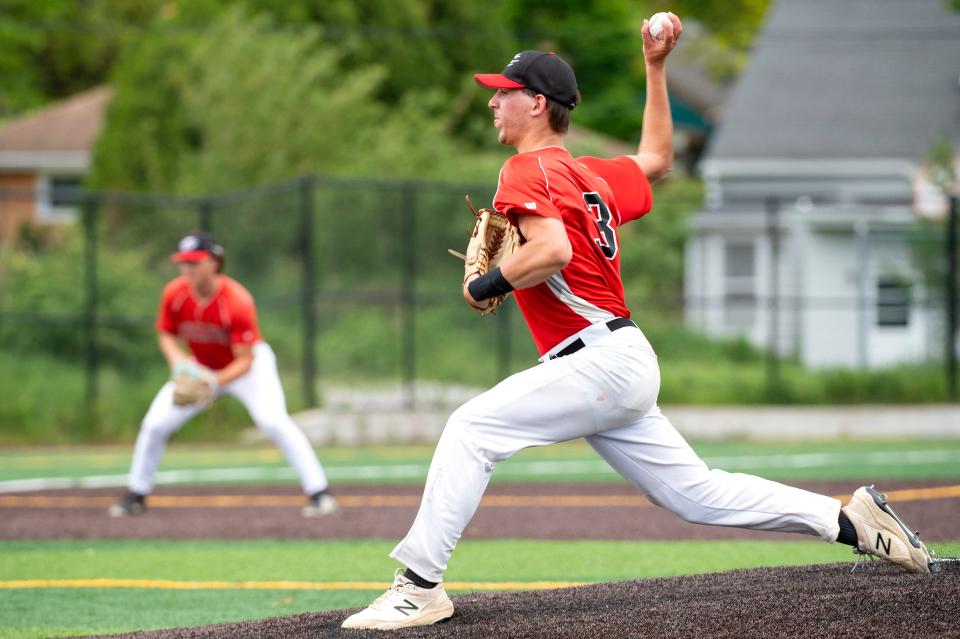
<point>50,403</point>
<point>44,294</point>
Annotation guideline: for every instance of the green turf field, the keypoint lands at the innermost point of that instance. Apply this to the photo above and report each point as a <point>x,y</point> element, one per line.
<point>573,461</point>
<point>193,583</point>
<point>242,567</point>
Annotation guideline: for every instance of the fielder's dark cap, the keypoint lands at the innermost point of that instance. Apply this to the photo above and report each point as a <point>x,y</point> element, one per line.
<point>196,246</point>
<point>545,73</point>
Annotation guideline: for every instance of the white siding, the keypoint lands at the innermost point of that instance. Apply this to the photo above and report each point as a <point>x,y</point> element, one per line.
<point>830,312</point>
<point>830,263</point>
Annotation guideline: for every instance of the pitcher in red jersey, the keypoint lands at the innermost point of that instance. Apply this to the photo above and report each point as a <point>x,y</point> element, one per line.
<point>598,378</point>
<point>215,317</point>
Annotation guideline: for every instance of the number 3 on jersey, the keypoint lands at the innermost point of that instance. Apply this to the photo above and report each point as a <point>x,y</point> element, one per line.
<point>608,236</point>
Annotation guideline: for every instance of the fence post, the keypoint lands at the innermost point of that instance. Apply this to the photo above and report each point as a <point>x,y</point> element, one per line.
<point>308,291</point>
<point>408,293</point>
<point>951,336</point>
<point>773,345</point>
<point>91,294</point>
<point>205,215</point>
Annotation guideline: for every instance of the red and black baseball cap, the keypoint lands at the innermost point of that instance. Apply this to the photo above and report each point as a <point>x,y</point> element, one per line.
<point>543,72</point>
<point>196,246</point>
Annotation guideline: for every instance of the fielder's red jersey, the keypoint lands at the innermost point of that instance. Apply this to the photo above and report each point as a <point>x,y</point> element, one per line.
<point>210,327</point>
<point>593,197</point>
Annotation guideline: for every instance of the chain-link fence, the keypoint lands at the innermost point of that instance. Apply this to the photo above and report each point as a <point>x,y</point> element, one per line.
<point>351,278</point>
<point>854,288</point>
<point>354,287</point>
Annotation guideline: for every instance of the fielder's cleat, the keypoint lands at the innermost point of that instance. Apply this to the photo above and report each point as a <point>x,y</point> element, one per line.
<point>131,504</point>
<point>320,505</point>
<point>881,533</point>
<point>403,606</point>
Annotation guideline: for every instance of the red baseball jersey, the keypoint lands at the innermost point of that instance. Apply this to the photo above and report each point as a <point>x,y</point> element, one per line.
<point>210,327</point>
<point>593,197</point>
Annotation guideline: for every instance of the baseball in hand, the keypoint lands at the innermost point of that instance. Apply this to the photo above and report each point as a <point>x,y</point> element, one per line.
<point>657,21</point>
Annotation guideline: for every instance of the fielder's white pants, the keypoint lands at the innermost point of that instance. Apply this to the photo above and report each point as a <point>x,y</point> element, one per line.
<point>606,393</point>
<point>261,393</point>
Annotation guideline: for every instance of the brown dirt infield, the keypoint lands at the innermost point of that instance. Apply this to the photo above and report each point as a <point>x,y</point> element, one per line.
<point>877,601</point>
<point>523,511</point>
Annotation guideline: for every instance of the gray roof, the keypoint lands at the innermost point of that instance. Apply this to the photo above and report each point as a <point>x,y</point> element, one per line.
<point>846,79</point>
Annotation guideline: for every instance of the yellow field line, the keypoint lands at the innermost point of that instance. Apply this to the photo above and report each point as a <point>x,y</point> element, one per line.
<point>349,501</point>
<point>917,494</point>
<point>167,584</point>
<point>404,501</point>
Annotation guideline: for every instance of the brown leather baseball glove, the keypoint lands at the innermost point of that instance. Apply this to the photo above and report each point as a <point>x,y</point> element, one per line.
<point>493,238</point>
<point>193,383</point>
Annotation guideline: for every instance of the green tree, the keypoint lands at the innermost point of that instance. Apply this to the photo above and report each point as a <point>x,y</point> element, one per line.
<point>730,30</point>
<point>601,40</point>
<point>236,105</point>
<point>58,47</point>
<point>55,48</point>
<point>266,105</point>
<point>245,101</point>
<point>734,22</point>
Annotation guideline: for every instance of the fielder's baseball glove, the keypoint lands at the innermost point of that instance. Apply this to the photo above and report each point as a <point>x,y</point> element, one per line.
<point>193,384</point>
<point>493,239</point>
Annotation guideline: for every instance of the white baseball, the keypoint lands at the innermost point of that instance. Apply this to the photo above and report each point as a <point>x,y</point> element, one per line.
<point>657,21</point>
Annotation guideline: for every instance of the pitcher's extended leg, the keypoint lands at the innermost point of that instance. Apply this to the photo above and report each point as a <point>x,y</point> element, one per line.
<point>654,457</point>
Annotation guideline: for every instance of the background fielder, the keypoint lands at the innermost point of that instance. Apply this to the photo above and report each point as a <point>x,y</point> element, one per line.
<point>216,318</point>
<point>598,377</point>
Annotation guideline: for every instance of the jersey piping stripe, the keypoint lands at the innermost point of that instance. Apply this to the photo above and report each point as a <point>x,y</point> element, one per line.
<point>546,180</point>
<point>178,302</point>
<point>561,290</point>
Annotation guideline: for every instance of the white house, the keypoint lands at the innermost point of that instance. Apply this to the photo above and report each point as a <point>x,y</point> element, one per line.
<point>803,244</point>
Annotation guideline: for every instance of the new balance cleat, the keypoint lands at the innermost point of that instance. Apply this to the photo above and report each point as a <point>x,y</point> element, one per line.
<point>403,606</point>
<point>132,504</point>
<point>881,533</point>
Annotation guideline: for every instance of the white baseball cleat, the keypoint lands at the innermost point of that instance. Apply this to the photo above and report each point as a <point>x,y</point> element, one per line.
<point>403,606</point>
<point>320,506</point>
<point>882,533</point>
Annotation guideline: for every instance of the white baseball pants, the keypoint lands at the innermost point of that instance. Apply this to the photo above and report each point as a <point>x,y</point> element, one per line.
<point>261,393</point>
<point>606,393</point>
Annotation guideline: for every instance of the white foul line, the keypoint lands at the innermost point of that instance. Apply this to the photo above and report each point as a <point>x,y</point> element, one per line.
<point>516,468</point>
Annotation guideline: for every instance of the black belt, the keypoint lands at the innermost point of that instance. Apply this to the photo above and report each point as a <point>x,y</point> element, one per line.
<point>615,324</point>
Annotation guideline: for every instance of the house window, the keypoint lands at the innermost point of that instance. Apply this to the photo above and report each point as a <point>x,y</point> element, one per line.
<point>893,302</point>
<point>57,198</point>
<point>739,274</point>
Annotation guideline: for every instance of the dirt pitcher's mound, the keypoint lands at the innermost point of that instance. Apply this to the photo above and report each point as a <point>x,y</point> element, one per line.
<point>878,601</point>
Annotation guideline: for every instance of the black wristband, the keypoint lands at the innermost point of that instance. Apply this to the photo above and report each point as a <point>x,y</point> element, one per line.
<point>489,285</point>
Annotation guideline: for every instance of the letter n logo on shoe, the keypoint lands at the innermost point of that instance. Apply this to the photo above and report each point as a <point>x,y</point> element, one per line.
<point>412,606</point>
<point>886,546</point>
